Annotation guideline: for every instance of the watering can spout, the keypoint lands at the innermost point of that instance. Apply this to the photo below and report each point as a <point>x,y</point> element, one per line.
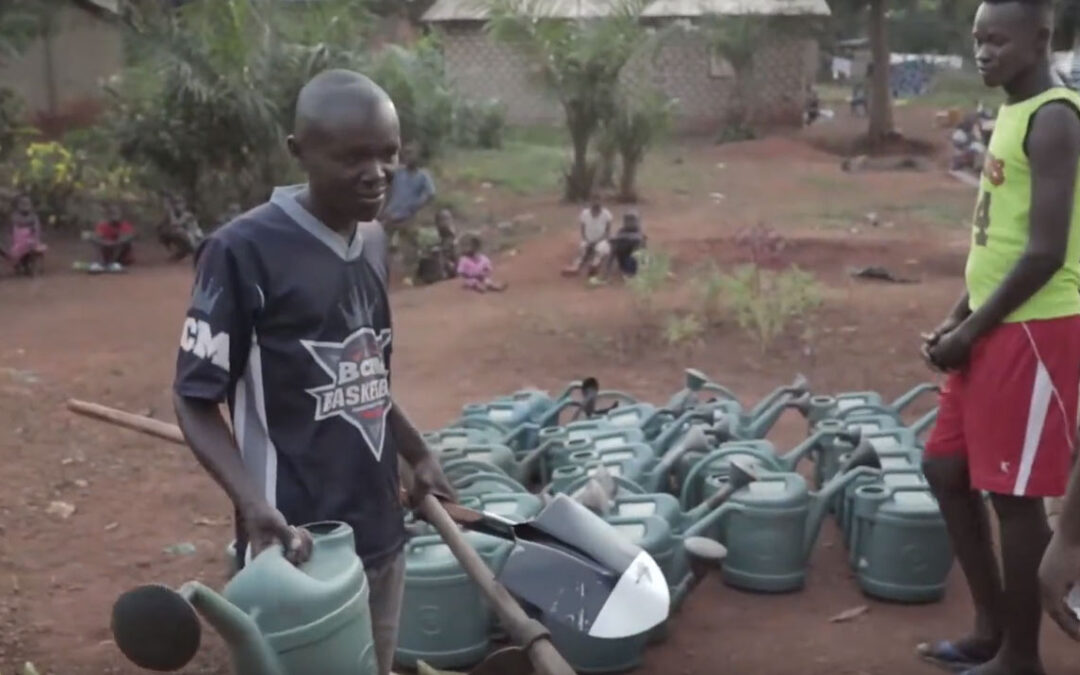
<point>765,414</point>
<point>237,629</point>
<point>819,504</point>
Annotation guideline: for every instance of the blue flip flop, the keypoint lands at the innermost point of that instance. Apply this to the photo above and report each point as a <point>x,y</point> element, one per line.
<point>947,655</point>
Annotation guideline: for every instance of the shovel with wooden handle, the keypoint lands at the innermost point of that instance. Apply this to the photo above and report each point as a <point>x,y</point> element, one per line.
<point>530,636</point>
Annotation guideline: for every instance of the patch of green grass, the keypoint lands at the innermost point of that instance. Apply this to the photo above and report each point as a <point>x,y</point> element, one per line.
<point>520,167</point>
<point>552,136</point>
<point>960,89</point>
<point>825,182</point>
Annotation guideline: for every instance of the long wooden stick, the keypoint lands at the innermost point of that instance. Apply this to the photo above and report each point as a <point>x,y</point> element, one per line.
<point>545,658</point>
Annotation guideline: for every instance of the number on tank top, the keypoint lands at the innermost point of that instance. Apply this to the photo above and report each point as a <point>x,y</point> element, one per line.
<point>982,219</point>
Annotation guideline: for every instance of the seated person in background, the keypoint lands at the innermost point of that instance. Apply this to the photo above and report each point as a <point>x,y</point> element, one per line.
<point>594,248</point>
<point>625,243</point>
<point>180,233</point>
<point>26,246</point>
<point>475,268</point>
<point>113,239</point>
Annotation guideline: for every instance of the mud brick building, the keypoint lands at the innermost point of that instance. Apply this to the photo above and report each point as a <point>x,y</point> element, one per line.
<point>687,69</point>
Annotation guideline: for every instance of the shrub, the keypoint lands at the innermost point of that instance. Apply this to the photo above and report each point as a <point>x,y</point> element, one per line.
<point>765,302</point>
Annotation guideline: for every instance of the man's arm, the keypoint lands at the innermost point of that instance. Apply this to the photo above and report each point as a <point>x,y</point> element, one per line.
<point>1053,151</point>
<point>212,444</point>
<point>428,476</point>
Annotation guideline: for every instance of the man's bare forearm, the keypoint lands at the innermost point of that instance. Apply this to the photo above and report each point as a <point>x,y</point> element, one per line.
<point>409,441</point>
<point>962,309</point>
<point>214,447</point>
<point>1029,275</point>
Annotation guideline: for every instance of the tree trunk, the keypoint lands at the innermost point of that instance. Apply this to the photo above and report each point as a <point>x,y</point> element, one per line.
<point>605,172</point>
<point>881,119</point>
<point>628,180</point>
<point>579,180</point>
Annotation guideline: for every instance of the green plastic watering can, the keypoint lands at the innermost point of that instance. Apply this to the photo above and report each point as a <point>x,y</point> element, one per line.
<point>829,434</point>
<point>276,618</point>
<point>770,528</point>
<point>900,547</point>
<point>817,408</point>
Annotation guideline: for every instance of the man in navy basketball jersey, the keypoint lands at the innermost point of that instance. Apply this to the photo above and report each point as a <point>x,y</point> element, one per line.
<point>289,323</point>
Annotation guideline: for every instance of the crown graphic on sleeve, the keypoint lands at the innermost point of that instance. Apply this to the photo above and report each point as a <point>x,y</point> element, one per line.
<point>358,311</point>
<point>204,295</point>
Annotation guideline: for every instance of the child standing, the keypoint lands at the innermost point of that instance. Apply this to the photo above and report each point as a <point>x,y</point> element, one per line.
<point>475,268</point>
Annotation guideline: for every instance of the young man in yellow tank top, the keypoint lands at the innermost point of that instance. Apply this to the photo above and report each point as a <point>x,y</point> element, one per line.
<point>1011,347</point>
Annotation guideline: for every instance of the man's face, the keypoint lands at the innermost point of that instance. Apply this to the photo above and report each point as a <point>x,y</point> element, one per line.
<point>23,205</point>
<point>350,161</point>
<point>595,208</point>
<point>1009,39</point>
<point>113,214</point>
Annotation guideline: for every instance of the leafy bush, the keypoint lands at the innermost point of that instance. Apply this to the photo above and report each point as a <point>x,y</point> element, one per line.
<point>765,302</point>
<point>11,121</point>
<point>479,124</point>
<point>52,175</point>
<point>414,79</point>
<point>654,269</point>
<point>709,288</point>
<point>686,329</point>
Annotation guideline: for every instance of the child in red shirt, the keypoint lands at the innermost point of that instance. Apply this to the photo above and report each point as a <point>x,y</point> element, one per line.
<point>113,239</point>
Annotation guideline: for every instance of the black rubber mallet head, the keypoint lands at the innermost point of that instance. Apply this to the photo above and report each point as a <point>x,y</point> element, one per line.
<point>156,628</point>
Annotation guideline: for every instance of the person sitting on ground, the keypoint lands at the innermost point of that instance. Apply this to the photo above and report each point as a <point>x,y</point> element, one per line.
<point>179,232</point>
<point>26,246</point>
<point>626,242</point>
<point>113,238</point>
<point>594,248</point>
<point>475,268</point>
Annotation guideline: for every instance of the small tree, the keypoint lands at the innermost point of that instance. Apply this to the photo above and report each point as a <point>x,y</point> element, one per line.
<point>636,125</point>
<point>580,61</point>
<point>737,39</point>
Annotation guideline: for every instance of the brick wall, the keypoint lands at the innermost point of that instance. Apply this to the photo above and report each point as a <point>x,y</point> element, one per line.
<point>684,69</point>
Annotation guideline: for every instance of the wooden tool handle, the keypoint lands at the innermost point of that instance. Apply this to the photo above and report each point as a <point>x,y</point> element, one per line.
<point>545,658</point>
<point>157,428</point>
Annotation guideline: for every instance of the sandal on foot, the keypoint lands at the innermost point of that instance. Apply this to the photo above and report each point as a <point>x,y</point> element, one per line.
<point>947,655</point>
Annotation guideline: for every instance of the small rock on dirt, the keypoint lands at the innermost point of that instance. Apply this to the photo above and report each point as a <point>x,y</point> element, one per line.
<point>850,614</point>
<point>62,509</point>
<point>183,548</point>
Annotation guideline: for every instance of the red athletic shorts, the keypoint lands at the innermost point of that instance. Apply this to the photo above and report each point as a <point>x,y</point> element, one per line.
<point>1012,410</point>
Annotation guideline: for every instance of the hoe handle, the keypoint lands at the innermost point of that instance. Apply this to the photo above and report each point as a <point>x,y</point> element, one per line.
<point>147,425</point>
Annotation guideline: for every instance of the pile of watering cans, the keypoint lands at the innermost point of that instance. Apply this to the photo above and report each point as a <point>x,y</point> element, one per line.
<point>695,466</point>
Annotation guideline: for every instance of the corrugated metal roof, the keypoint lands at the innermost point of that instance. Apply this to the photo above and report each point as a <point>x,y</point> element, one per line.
<point>476,10</point>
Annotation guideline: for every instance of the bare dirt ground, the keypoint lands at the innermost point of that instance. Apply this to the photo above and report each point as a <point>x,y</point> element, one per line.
<point>113,340</point>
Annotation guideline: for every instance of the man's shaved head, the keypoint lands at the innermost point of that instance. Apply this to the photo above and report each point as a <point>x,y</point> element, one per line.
<point>346,135</point>
<point>335,93</point>
<point>1012,39</point>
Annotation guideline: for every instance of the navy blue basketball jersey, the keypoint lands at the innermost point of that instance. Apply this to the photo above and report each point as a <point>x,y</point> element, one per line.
<point>289,323</point>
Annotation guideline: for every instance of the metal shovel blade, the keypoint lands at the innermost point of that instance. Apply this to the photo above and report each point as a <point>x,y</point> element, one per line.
<point>571,566</point>
<point>156,628</point>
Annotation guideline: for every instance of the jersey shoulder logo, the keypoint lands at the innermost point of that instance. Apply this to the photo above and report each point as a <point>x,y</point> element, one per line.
<point>359,387</point>
<point>197,336</point>
<point>994,170</point>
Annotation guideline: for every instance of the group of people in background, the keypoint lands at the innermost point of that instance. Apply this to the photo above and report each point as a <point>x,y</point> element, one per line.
<point>601,250</point>
<point>112,239</point>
